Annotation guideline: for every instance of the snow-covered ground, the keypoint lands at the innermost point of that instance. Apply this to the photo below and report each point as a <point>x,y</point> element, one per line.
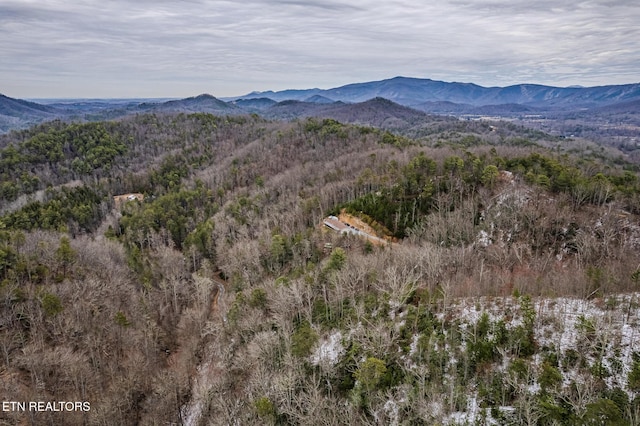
<point>562,325</point>
<point>605,331</point>
<point>329,350</point>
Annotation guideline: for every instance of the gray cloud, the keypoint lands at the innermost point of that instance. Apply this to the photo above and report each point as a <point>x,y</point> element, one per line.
<point>119,48</point>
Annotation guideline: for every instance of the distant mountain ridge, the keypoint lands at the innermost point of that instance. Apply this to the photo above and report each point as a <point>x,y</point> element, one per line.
<point>425,95</point>
<point>200,103</point>
<point>415,91</point>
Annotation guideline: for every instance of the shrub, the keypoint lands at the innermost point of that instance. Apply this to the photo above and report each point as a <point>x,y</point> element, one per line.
<point>633,379</point>
<point>265,408</point>
<point>370,373</point>
<point>51,304</point>
<point>258,298</point>
<point>303,340</point>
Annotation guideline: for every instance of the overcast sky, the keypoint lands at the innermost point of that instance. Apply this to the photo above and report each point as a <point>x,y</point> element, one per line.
<point>162,48</point>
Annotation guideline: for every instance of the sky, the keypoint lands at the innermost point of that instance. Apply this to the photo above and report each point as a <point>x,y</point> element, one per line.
<point>181,48</point>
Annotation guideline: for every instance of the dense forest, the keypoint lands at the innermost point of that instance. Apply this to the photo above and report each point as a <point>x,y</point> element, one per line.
<point>508,293</point>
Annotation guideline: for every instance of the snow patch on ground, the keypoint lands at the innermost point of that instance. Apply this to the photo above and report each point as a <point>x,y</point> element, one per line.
<point>467,417</point>
<point>329,350</point>
<point>392,410</point>
<point>615,323</point>
<point>483,239</point>
<point>561,325</point>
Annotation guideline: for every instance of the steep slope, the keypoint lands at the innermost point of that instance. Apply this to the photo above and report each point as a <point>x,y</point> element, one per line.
<point>16,113</point>
<point>18,108</point>
<point>509,296</point>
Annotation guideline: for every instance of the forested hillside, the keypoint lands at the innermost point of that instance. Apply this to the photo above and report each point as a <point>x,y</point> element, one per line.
<point>508,296</point>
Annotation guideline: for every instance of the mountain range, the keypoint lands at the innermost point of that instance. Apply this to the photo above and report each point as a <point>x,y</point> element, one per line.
<point>424,95</point>
<point>416,92</point>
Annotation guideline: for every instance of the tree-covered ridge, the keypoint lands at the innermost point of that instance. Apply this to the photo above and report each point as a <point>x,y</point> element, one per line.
<point>401,197</point>
<point>224,264</point>
<point>55,153</point>
<point>73,151</point>
<point>79,209</point>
